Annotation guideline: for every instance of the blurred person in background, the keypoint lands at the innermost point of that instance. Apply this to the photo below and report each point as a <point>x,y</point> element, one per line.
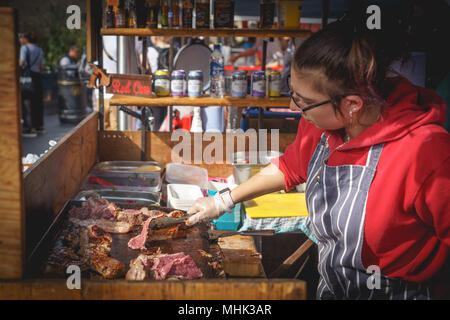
<point>32,57</point>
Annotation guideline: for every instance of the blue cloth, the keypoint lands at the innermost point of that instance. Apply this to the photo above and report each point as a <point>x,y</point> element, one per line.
<point>280,225</point>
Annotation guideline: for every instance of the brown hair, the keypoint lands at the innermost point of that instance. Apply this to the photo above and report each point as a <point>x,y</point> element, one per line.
<point>353,59</point>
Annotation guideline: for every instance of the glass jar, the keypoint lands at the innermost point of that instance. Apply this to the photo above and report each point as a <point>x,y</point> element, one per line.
<point>239,84</point>
<point>258,84</point>
<point>187,13</point>
<point>202,14</point>
<point>223,14</point>
<point>195,83</point>
<point>274,83</point>
<point>178,83</point>
<point>162,83</point>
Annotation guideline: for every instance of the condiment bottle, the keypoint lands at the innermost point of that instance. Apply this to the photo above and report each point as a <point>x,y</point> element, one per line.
<point>132,18</point>
<point>110,17</point>
<point>121,21</point>
<point>202,14</point>
<point>165,13</point>
<point>187,13</point>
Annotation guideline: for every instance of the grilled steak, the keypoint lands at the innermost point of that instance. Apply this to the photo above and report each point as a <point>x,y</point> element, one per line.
<point>107,225</point>
<point>94,208</point>
<point>108,267</point>
<point>87,247</point>
<point>163,266</point>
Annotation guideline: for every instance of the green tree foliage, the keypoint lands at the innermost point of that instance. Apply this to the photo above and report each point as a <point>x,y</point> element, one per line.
<point>59,38</point>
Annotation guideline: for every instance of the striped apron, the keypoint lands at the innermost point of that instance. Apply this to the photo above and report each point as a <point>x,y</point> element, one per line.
<point>337,206</point>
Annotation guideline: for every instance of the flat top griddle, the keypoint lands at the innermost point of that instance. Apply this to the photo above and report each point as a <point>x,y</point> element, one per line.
<point>191,241</point>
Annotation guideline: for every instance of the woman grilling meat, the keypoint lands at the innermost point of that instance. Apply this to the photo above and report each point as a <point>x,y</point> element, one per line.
<point>376,163</point>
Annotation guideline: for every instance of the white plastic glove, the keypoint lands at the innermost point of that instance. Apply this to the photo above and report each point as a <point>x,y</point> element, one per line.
<point>205,209</point>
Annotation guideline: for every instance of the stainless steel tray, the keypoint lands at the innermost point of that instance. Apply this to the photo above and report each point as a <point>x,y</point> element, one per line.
<point>127,166</point>
<point>122,196</point>
<point>123,180</point>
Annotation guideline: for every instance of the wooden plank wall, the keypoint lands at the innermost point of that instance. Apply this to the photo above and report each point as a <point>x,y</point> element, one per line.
<point>245,289</point>
<point>12,233</point>
<point>57,177</point>
<point>126,145</point>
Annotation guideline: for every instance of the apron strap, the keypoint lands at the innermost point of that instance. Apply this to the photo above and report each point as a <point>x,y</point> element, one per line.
<point>374,156</point>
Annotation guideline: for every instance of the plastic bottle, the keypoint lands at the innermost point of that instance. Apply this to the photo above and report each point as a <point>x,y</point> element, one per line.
<point>216,73</point>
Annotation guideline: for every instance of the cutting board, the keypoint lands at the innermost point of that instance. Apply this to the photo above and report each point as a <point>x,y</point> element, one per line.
<point>274,205</point>
<point>240,258</point>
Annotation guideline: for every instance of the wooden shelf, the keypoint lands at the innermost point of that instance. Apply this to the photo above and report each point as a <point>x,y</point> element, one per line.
<point>258,33</point>
<point>205,101</point>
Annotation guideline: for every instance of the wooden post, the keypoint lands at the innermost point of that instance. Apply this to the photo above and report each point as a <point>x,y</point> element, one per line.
<point>12,230</point>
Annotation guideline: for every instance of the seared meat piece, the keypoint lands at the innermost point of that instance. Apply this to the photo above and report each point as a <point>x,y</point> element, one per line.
<point>95,246</point>
<point>93,238</point>
<point>108,267</point>
<point>133,217</point>
<point>137,269</point>
<point>176,214</point>
<point>107,225</point>
<point>60,259</point>
<point>94,208</point>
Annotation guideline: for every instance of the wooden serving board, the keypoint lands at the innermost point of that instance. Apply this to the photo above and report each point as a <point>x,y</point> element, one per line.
<point>240,258</point>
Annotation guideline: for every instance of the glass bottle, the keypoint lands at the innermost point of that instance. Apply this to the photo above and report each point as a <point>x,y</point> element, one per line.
<point>110,17</point>
<point>187,13</point>
<point>151,13</point>
<point>132,18</point>
<point>121,21</point>
<point>267,12</point>
<point>175,14</point>
<point>165,13</point>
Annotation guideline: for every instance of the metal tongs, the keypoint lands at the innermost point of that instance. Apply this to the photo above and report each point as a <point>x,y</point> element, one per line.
<point>162,223</point>
<point>215,234</point>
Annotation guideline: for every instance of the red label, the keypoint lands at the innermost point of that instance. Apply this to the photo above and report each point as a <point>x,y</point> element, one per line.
<point>132,87</point>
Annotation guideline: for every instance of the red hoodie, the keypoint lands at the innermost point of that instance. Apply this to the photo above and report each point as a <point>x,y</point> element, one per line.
<point>407,222</point>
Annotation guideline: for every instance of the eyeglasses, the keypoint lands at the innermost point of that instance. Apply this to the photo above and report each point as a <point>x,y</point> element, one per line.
<point>303,110</point>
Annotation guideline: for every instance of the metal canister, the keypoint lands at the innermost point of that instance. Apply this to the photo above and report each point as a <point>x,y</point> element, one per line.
<point>195,83</point>
<point>162,83</point>
<point>274,83</point>
<point>178,83</point>
<point>239,84</point>
<point>259,84</point>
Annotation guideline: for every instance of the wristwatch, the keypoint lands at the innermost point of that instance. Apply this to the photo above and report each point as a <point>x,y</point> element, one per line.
<point>225,194</point>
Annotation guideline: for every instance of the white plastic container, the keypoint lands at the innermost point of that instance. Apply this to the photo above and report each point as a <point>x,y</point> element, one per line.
<point>182,196</point>
<point>186,174</point>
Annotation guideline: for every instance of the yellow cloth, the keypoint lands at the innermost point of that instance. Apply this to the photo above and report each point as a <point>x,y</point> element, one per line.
<point>277,205</point>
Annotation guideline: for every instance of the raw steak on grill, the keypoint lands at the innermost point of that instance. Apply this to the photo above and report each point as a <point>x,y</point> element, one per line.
<point>138,242</point>
<point>163,266</point>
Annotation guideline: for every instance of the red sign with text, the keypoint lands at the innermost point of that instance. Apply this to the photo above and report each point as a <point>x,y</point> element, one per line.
<point>130,85</point>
